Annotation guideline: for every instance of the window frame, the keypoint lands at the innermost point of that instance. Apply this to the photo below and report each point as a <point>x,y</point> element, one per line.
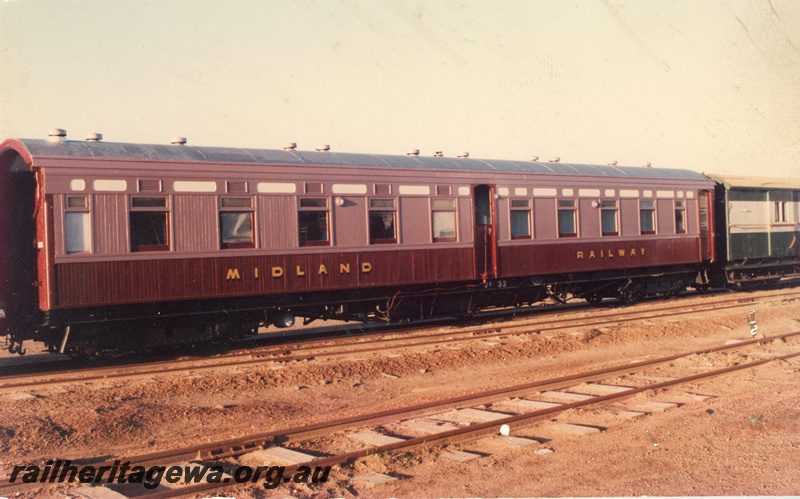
<point>84,210</point>
<point>528,210</point>
<point>779,212</point>
<point>382,209</point>
<point>652,211</point>
<point>573,209</point>
<point>680,208</point>
<point>606,207</point>
<point>165,210</point>
<point>240,210</point>
<point>440,209</point>
<point>314,209</point>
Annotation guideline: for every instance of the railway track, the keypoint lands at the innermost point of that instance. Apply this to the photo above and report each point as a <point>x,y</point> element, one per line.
<point>523,395</point>
<point>370,342</point>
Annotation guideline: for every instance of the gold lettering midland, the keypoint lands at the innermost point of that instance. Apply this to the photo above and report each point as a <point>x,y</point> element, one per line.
<point>278,271</point>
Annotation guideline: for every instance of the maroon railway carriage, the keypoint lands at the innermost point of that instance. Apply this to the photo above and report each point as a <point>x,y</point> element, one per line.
<point>107,242</point>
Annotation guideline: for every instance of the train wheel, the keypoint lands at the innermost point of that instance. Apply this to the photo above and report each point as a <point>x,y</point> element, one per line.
<point>629,294</point>
<point>702,288</point>
<point>223,331</point>
<point>82,351</point>
<point>593,298</point>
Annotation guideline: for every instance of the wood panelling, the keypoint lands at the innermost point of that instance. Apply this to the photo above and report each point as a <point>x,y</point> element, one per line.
<point>588,218</point>
<point>277,222</point>
<point>59,231</point>
<point>545,218</point>
<point>108,220</point>
<point>137,281</point>
<point>692,216</point>
<point>629,217</point>
<point>466,234</point>
<point>415,220</point>
<point>665,216</point>
<point>350,221</point>
<point>196,222</point>
<point>580,256</point>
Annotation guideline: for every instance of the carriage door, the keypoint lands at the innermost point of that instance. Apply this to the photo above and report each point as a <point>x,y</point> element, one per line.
<point>706,226</point>
<point>485,233</point>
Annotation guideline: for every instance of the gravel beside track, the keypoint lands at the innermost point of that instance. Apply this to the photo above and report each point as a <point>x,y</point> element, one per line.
<point>697,441</point>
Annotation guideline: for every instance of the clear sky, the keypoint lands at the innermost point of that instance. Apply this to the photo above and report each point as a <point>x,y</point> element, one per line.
<point>709,85</point>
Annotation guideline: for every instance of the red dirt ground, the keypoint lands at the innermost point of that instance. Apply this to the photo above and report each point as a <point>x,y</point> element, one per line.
<point>744,440</point>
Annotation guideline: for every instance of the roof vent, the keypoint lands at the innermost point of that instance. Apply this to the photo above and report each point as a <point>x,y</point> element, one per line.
<point>413,152</point>
<point>463,154</point>
<point>646,165</point>
<point>612,163</point>
<point>290,146</point>
<point>533,158</point>
<point>555,159</point>
<point>438,154</point>
<point>94,137</point>
<point>56,135</point>
<point>323,148</point>
<point>178,141</point>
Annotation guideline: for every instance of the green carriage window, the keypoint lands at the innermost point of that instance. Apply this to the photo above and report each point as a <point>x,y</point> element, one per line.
<point>647,217</point>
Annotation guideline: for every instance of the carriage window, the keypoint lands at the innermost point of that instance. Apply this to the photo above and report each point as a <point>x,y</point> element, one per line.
<point>609,218</point>
<point>680,217</point>
<point>149,202</point>
<point>77,225</point>
<point>779,211</point>
<point>567,218</point>
<point>149,224</point>
<point>444,220</point>
<point>77,202</point>
<point>382,221</point>
<point>314,203</point>
<point>313,222</point>
<point>236,223</point>
<point>647,217</point>
<point>520,219</point>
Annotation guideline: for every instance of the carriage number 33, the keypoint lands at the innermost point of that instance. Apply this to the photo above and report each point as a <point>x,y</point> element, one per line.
<point>495,284</point>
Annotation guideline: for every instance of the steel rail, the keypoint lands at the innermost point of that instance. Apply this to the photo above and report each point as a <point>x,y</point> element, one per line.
<point>248,358</point>
<point>243,445</point>
<point>461,435</point>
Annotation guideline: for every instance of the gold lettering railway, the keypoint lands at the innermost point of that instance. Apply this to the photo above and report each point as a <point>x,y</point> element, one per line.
<point>299,271</point>
<point>610,254</point>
